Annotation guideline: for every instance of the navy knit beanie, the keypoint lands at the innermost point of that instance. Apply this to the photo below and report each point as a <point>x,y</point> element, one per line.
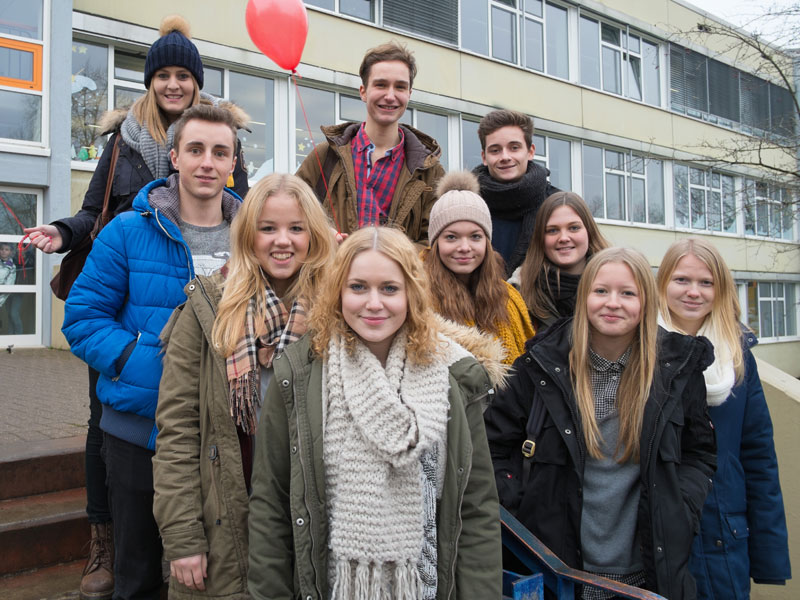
<point>173,49</point>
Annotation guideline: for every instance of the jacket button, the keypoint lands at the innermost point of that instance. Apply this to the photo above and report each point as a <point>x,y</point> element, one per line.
<point>666,364</point>
<point>527,359</point>
<point>285,383</point>
<point>568,431</point>
<point>718,543</point>
<point>191,288</point>
<point>309,597</point>
<point>461,470</point>
<point>542,382</point>
<point>300,522</point>
<point>294,449</point>
<point>659,549</point>
<point>558,369</point>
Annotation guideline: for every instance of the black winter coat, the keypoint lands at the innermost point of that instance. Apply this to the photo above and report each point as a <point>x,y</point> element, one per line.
<point>677,454</point>
<point>130,176</point>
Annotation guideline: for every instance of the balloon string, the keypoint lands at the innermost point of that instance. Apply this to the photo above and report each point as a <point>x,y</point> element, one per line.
<point>20,246</point>
<point>316,153</point>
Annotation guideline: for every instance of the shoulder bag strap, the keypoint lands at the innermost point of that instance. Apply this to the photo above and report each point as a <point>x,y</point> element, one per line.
<point>106,215</point>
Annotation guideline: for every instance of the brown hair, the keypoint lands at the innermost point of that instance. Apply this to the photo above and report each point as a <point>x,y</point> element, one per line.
<point>326,320</point>
<point>204,112</point>
<point>637,378</point>
<point>534,285</point>
<point>505,118</point>
<point>483,301</point>
<point>389,51</point>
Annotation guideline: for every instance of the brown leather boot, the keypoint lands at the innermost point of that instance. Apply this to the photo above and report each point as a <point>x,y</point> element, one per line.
<point>98,574</point>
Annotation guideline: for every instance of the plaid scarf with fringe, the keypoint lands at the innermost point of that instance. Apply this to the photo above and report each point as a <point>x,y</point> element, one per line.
<point>282,327</point>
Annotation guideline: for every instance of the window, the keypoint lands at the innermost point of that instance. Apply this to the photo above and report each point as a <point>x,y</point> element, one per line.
<point>772,308</point>
<point>19,275</point>
<point>554,154</point>
<point>21,68</point>
<point>703,199</point>
<point>619,61</point>
<point>709,89</point>
<point>769,210</point>
<point>470,144</point>
<point>623,186</point>
<point>256,96</point>
<point>531,33</point>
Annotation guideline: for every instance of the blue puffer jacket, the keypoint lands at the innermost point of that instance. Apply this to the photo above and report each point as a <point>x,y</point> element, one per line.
<point>132,281</point>
<point>743,528</point>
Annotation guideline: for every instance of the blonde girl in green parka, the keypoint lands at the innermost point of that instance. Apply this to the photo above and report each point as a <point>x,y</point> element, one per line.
<point>219,350</point>
<point>372,476</point>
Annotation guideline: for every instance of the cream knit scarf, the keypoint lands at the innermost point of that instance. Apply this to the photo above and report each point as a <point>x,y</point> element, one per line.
<point>378,423</point>
<point>720,375</point>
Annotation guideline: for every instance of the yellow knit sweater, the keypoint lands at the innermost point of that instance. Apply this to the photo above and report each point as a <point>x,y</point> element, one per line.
<point>519,328</point>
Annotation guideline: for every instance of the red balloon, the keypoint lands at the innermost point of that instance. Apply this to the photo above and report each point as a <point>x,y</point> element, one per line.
<point>279,28</point>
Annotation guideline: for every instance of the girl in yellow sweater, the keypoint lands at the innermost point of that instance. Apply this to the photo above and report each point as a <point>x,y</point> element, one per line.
<point>466,274</point>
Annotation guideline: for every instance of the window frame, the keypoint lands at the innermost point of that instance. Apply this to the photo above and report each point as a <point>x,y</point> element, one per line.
<point>709,190</point>
<point>745,299</point>
<point>35,338</point>
<point>751,205</point>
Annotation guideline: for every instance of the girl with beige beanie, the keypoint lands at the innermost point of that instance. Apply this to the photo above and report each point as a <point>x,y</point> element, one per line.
<point>466,274</point>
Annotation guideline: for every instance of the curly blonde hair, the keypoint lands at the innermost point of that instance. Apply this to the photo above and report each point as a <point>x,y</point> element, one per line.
<point>326,320</point>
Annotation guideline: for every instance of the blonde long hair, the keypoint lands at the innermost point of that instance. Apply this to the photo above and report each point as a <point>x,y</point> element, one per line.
<point>150,115</point>
<point>246,279</point>
<point>326,319</point>
<point>637,378</point>
<point>725,315</point>
<point>536,266</point>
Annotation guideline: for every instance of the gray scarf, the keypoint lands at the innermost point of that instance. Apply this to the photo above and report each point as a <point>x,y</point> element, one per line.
<point>155,155</point>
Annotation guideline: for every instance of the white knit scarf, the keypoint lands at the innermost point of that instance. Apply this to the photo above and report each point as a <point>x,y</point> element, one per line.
<point>720,376</point>
<point>378,423</point>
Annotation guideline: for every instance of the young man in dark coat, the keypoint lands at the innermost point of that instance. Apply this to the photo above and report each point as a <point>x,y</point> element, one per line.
<point>512,185</point>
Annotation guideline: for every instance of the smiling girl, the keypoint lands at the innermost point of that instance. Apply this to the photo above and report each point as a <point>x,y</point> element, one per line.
<point>220,347</point>
<point>372,476</point>
<point>619,464</point>
<point>466,273</point>
<point>743,529</point>
<point>564,237</point>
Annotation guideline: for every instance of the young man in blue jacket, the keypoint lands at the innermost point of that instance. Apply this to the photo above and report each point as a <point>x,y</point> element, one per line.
<point>133,279</point>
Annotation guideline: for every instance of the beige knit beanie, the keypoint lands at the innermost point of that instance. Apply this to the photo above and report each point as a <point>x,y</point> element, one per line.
<point>459,200</point>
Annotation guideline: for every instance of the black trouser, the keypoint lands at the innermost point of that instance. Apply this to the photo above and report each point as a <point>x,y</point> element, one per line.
<point>96,490</point>
<point>137,545</point>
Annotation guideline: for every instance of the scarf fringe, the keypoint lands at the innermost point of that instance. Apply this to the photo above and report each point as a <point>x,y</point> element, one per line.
<point>244,390</point>
<point>368,583</point>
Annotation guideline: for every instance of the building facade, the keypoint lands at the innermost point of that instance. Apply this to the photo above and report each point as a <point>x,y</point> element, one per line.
<point>631,110</point>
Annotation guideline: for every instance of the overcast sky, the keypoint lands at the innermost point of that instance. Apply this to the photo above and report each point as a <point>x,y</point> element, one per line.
<point>746,14</point>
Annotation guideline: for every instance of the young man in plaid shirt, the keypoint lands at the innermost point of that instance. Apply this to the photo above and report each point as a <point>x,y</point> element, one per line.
<point>378,172</point>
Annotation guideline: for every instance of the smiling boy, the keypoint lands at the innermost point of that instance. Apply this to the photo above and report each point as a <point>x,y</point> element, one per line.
<point>133,279</point>
<point>379,172</point>
<point>512,185</point>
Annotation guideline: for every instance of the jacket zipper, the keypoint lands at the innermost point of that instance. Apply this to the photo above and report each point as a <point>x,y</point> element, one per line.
<point>182,245</point>
<point>213,456</point>
<point>462,488</point>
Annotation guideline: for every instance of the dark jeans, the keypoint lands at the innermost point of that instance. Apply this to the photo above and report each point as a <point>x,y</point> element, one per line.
<point>137,545</point>
<point>96,490</point>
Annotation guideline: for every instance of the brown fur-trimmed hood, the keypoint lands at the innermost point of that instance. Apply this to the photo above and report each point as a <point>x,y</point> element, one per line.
<point>112,120</point>
<point>486,349</point>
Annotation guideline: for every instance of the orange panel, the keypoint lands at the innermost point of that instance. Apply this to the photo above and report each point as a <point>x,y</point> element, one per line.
<point>36,50</point>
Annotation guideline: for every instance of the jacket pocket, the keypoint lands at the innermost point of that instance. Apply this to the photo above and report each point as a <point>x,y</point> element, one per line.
<point>738,526</point>
<point>213,457</point>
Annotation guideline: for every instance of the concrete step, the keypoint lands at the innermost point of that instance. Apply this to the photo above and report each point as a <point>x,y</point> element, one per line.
<point>28,468</point>
<point>42,530</point>
<point>58,582</point>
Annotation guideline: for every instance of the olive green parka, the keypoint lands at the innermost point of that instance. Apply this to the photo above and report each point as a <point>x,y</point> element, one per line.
<point>200,501</point>
<point>288,514</point>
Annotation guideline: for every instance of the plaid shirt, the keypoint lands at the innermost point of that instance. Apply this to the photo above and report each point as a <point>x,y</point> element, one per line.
<point>605,382</point>
<point>605,376</point>
<point>375,182</point>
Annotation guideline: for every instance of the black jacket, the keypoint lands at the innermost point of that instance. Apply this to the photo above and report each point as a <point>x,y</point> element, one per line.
<point>130,176</point>
<point>677,454</point>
